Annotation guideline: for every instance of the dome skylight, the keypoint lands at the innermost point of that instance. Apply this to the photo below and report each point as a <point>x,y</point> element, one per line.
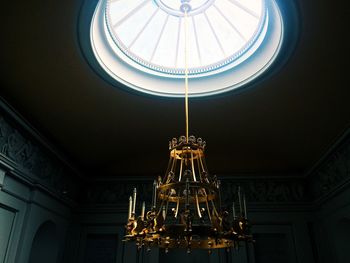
<point>151,33</point>
<point>141,43</point>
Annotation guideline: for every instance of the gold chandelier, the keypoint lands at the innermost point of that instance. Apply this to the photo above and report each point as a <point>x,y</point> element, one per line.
<point>186,209</point>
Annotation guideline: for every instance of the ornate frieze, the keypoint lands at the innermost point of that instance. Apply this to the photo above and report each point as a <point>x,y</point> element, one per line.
<point>33,160</point>
<point>333,172</point>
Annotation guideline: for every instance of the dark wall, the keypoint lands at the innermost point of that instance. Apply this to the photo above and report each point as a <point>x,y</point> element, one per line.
<point>36,191</point>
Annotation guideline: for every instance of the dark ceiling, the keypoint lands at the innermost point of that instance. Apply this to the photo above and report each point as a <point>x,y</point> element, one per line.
<point>281,126</point>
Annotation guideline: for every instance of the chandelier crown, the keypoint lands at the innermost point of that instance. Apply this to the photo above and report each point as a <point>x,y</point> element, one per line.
<point>182,141</point>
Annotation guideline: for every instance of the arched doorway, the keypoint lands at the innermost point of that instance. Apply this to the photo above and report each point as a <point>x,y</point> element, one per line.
<point>45,245</point>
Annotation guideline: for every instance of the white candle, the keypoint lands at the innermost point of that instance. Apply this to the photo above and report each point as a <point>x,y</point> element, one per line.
<point>130,207</point>
<point>245,206</point>
<point>239,200</point>
<point>164,212</point>
<point>134,203</point>
<point>154,198</point>
<point>143,210</point>
<point>233,210</point>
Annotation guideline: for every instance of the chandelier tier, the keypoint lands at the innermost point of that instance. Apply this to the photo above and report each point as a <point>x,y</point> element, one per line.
<point>186,210</point>
<point>186,206</point>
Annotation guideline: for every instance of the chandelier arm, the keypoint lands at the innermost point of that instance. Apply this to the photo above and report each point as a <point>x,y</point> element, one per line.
<point>160,207</point>
<point>181,165</point>
<point>206,201</point>
<point>199,168</point>
<point>168,167</point>
<point>214,208</point>
<point>167,204</point>
<point>204,164</point>
<point>173,164</point>
<point>201,162</point>
<point>193,171</point>
<point>177,205</point>
<point>197,205</point>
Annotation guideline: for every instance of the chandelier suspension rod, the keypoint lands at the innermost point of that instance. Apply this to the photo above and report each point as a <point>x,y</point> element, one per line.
<point>186,77</point>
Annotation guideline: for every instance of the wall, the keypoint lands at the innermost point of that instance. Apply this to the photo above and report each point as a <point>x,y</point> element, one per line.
<point>37,189</point>
<point>330,186</point>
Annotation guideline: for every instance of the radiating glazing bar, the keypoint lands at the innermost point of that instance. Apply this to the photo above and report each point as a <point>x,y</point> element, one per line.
<point>196,37</point>
<point>215,35</point>
<point>178,42</point>
<point>230,23</point>
<point>131,13</point>
<point>159,37</point>
<point>238,4</point>
<point>143,28</point>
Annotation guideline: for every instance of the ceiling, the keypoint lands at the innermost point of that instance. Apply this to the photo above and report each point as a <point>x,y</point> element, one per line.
<point>281,126</point>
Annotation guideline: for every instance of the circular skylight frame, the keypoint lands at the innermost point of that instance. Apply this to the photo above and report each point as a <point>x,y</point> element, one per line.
<point>258,60</point>
<point>218,66</point>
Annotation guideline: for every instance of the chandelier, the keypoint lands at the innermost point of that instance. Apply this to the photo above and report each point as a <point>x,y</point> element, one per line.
<point>186,210</point>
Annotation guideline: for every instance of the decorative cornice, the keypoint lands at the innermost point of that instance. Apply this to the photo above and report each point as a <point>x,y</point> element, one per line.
<point>26,159</point>
<point>13,116</point>
<point>332,174</point>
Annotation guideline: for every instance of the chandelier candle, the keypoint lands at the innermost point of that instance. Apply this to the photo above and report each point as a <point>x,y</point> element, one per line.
<point>143,210</point>
<point>134,203</point>
<point>240,200</point>
<point>154,196</point>
<point>233,210</point>
<point>130,207</point>
<point>244,206</point>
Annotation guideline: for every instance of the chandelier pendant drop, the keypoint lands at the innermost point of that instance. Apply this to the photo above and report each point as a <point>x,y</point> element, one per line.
<point>186,210</point>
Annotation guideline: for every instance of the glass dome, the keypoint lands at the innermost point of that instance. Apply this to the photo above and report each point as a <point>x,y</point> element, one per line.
<point>141,43</point>
<point>152,33</point>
